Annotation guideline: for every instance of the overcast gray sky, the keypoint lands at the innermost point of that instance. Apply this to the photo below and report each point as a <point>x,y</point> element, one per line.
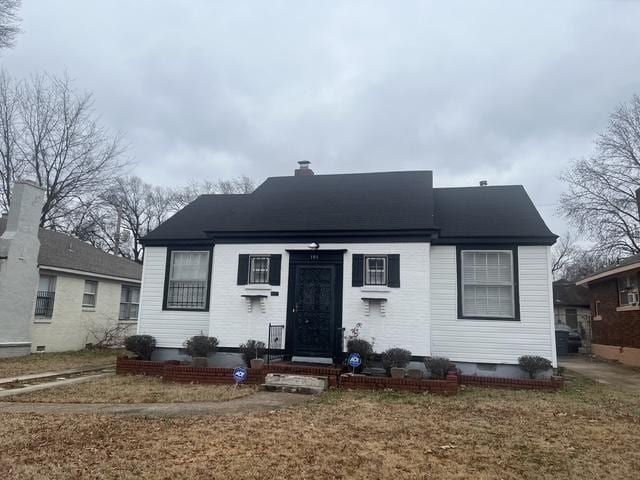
<point>508,91</point>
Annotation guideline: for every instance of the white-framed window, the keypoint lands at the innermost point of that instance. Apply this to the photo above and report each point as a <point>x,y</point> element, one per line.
<point>375,270</point>
<point>90,294</point>
<point>187,280</point>
<point>259,269</point>
<point>487,284</point>
<point>129,302</point>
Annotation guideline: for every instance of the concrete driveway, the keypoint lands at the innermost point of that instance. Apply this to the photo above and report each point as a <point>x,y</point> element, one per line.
<point>611,374</point>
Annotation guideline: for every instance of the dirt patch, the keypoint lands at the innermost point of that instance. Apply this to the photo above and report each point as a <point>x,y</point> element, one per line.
<point>52,362</point>
<point>135,389</point>
<point>585,431</point>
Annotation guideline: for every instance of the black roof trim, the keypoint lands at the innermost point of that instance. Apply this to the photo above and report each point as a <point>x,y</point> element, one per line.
<point>524,241</point>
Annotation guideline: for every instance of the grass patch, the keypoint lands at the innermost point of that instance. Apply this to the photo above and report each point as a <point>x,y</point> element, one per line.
<point>49,362</point>
<point>585,431</point>
<point>135,389</point>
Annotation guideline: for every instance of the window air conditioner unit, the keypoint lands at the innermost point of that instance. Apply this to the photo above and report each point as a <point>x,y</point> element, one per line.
<point>633,297</point>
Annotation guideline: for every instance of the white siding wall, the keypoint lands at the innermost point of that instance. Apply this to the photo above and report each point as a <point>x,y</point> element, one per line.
<point>489,341</point>
<point>170,328</point>
<point>406,323</point>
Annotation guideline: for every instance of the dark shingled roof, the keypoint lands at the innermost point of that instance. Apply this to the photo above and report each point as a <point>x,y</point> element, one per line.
<point>393,203</point>
<point>570,294</point>
<point>64,251</point>
<point>487,212</point>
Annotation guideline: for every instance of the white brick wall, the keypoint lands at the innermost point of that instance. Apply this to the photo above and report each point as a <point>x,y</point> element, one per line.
<point>406,323</point>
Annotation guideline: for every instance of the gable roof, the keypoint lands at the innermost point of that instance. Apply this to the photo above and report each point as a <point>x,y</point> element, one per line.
<point>488,213</point>
<point>570,294</point>
<point>359,205</point>
<point>64,251</point>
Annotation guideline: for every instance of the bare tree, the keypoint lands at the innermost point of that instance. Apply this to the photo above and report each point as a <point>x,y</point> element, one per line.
<point>562,254</point>
<point>9,22</point>
<point>601,199</point>
<point>187,194</point>
<point>51,134</point>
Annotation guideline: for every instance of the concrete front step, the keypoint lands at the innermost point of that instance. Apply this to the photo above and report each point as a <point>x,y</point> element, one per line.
<point>283,382</point>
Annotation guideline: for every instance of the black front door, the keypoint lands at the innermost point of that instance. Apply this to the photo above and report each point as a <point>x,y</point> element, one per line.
<point>314,308</point>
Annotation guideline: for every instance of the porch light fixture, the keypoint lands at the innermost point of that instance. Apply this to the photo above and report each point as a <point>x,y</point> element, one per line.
<point>314,245</point>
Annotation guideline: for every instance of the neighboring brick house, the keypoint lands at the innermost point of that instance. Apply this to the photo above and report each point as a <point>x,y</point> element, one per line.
<point>58,293</point>
<point>615,305</point>
<point>457,272</point>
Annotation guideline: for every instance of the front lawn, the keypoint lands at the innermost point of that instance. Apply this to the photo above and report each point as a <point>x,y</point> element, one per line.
<point>51,362</point>
<point>135,389</point>
<point>586,431</point>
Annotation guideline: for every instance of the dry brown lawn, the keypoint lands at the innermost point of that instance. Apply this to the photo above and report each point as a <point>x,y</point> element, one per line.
<point>135,389</point>
<point>584,432</point>
<point>51,362</point>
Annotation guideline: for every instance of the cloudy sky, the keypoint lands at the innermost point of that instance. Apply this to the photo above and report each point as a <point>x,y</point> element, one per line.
<point>508,91</point>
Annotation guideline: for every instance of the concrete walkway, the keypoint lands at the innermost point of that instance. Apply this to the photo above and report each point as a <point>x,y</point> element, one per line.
<point>611,374</point>
<point>261,401</point>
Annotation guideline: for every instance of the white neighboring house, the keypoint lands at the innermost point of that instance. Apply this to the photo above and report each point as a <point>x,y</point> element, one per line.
<point>82,293</point>
<point>456,272</point>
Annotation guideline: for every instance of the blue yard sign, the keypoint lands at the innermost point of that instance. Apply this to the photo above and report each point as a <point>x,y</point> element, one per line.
<point>240,374</point>
<point>354,360</point>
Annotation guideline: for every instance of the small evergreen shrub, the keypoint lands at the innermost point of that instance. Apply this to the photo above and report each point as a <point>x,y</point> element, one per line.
<point>438,367</point>
<point>200,346</point>
<point>532,364</point>
<point>141,345</point>
<point>395,357</point>
<point>362,347</point>
<point>252,349</point>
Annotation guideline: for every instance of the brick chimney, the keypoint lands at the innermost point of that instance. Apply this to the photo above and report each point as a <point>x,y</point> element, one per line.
<point>303,170</point>
<point>19,248</point>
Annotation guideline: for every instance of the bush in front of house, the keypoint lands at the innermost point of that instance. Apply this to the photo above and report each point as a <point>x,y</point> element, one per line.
<point>395,358</point>
<point>141,345</point>
<point>438,367</point>
<point>252,349</point>
<point>363,348</point>
<point>532,364</point>
<point>200,346</point>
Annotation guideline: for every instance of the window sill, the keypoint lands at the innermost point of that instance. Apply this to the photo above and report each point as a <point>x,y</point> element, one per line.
<point>597,317</point>
<point>628,308</point>
<point>43,321</point>
<point>88,309</point>
<point>258,286</point>
<point>128,321</point>
<point>373,288</point>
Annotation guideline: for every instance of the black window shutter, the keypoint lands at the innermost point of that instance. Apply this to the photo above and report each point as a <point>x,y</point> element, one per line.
<point>357,274</point>
<point>394,271</point>
<point>243,269</point>
<point>274,269</point>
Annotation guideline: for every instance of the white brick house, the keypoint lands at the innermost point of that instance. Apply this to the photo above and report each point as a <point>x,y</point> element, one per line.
<point>462,273</point>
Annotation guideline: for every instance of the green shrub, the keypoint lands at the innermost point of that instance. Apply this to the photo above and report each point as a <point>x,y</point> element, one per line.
<point>363,348</point>
<point>438,367</point>
<point>200,346</point>
<point>395,357</point>
<point>141,345</point>
<point>252,349</point>
<point>532,364</point>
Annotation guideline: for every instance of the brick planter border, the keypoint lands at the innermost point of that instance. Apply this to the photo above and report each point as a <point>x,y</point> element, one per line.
<point>555,383</point>
<point>443,387</point>
<point>171,371</point>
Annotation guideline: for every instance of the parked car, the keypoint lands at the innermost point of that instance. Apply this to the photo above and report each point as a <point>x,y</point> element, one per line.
<point>575,341</point>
